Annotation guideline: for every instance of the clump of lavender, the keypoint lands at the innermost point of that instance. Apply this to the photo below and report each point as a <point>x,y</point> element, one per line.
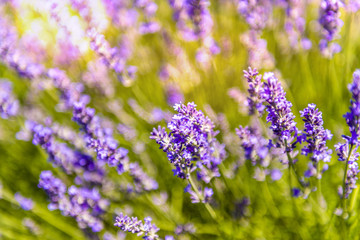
<point>279,112</point>
<point>112,57</point>
<point>131,224</point>
<point>149,9</point>
<point>348,151</point>
<point>9,106</point>
<point>61,155</point>
<point>191,145</point>
<point>255,12</point>
<point>315,136</point>
<point>200,28</point>
<point>330,23</point>
<point>258,54</point>
<point>254,101</point>
<point>295,25</point>
<point>100,139</point>
<point>25,203</point>
<point>84,204</point>
<point>53,187</point>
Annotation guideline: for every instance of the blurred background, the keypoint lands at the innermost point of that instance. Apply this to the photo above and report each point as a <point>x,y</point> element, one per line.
<point>169,69</point>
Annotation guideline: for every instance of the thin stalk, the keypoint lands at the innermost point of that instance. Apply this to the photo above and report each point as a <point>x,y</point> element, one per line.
<point>207,205</point>
<point>343,200</point>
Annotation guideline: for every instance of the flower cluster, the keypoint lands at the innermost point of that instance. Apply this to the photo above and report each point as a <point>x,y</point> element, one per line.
<point>254,101</point>
<point>84,204</point>
<point>25,203</point>
<point>347,151</point>
<point>330,23</point>
<point>315,136</point>
<point>279,111</point>
<point>131,224</point>
<point>196,12</point>
<point>295,25</point>
<point>191,143</point>
<point>112,57</point>
<point>9,106</point>
<point>70,160</point>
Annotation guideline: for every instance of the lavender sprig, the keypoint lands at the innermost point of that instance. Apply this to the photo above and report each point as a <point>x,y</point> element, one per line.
<point>9,106</point>
<point>191,143</point>
<point>84,204</point>
<point>25,203</point>
<point>330,23</point>
<point>146,229</point>
<point>279,112</point>
<point>348,151</point>
<point>315,136</point>
<point>254,101</point>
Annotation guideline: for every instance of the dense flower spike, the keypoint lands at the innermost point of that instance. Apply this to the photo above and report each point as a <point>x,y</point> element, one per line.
<point>191,143</point>
<point>84,204</point>
<point>255,12</point>
<point>25,203</point>
<point>315,136</point>
<point>254,101</point>
<point>279,111</point>
<point>331,23</point>
<point>295,24</point>
<point>348,151</point>
<point>353,117</point>
<point>54,188</point>
<point>146,229</point>
<point>9,106</point>
<point>196,12</point>
<point>112,57</point>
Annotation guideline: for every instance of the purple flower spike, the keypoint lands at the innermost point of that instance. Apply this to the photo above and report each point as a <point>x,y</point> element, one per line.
<point>135,226</point>
<point>191,143</point>
<point>279,111</point>
<point>315,136</point>
<point>330,22</point>
<point>353,117</point>
<point>25,203</point>
<point>9,106</point>
<point>255,102</point>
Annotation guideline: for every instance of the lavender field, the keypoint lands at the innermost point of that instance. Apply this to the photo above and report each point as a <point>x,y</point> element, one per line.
<point>179,119</point>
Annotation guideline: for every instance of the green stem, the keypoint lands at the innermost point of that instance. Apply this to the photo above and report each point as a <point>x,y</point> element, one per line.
<point>201,198</point>
<point>343,200</point>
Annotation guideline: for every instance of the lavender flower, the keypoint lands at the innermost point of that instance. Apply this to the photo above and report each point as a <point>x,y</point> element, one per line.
<point>191,143</point>
<point>353,6</point>
<point>9,106</point>
<point>54,188</point>
<point>202,196</point>
<point>352,169</point>
<point>196,12</point>
<point>353,117</point>
<point>111,57</point>
<point>84,204</point>
<point>135,226</point>
<point>348,151</point>
<point>25,203</point>
<point>254,101</point>
<point>295,24</point>
<point>255,12</point>
<point>100,139</point>
<point>315,136</point>
<point>258,54</point>
<point>330,23</point>
<point>279,111</point>
<point>254,145</point>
